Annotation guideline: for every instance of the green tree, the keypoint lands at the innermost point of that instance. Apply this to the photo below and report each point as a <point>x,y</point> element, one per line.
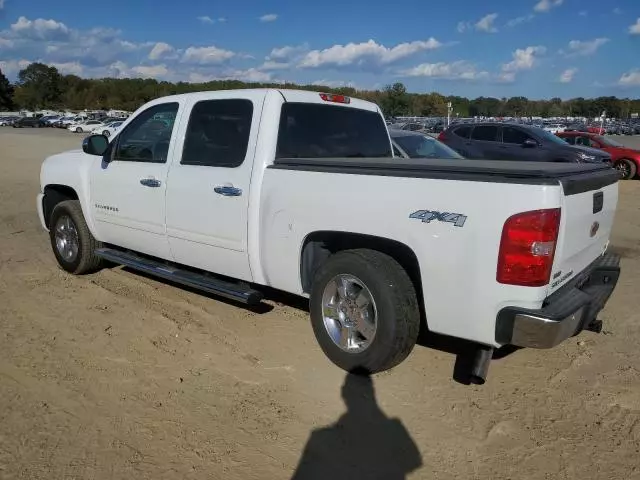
<point>40,85</point>
<point>6,93</point>
<point>395,101</point>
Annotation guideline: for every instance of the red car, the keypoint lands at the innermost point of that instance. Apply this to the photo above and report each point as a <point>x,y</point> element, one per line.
<point>596,130</point>
<point>626,160</point>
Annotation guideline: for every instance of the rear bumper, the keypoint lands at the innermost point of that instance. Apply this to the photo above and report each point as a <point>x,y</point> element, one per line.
<point>565,313</point>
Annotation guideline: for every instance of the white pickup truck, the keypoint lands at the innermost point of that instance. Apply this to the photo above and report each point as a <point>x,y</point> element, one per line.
<point>230,191</point>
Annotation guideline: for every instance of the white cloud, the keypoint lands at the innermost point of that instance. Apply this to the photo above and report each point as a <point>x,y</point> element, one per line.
<point>635,28</point>
<point>631,78</point>
<point>1,4</point>
<point>589,47</point>
<point>6,43</point>
<point>271,65</point>
<point>269,17</point>
<point>567,75</point>
<point>151,71</point>
<point>583,13</point>
<point>162,50</point>
<point>514,22</point>
<point>40,29</point>
<point>12,67</point>
<point>365,52</point>
<point>463,27</point>
<point>287,52</point>
<point>486,23</point>
<point>459,70</point>
<point>69,68</point>
<point>207,55</point>
<point>617,11</point>
<point>523,59</point>
<point>206,19</point>
<point>546,5</point>
<point>333,84</point>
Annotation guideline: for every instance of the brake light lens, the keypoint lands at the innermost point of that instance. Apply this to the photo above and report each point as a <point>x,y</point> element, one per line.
<point>527,248</point>
<point>330,97</point>
<point>442,137</point>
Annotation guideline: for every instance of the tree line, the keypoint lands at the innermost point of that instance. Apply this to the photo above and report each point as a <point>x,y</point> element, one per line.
<point>42,86</point>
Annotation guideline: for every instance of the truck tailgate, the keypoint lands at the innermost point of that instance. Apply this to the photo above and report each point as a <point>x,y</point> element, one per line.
<point>588,210</point>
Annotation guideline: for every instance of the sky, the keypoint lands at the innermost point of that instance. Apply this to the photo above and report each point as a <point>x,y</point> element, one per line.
<point>502,48</point>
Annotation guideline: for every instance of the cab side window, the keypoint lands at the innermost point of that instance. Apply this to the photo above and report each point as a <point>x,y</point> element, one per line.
<point>218,133</point>
<point>146,138</point>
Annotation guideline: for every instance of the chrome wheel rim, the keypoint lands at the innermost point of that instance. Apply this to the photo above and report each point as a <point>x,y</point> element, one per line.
<point>623,168</point>
<point>66,237</point>
<point>349,313</point>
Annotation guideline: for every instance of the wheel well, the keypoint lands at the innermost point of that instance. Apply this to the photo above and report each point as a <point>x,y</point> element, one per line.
<point>319,246</point>
<point>53,195</point>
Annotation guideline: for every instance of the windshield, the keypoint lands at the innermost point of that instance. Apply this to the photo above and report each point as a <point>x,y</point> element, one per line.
<point>609,142</point>
<point>423,146</point>
<point>550,136</point>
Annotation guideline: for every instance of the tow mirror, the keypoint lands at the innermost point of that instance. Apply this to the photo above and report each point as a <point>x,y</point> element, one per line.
<point>95,145</point>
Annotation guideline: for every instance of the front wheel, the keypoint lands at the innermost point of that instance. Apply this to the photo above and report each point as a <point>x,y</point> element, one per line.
<point>73,244</point>
<point>627,168</point>
<point>78,130</point>
<point>364,311</point>
<point>106,133</point>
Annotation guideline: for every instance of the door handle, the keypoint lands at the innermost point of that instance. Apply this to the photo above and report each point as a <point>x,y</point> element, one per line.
<point>150,182</point>
<point>227,190</point>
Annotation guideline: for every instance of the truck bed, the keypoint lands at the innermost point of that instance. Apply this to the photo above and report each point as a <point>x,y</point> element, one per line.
<point>574,177</point>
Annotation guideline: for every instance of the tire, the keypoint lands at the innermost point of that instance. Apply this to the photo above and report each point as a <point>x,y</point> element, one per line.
<point>627,168</point>
<point>106,133</point>
<point>85,260</point>
<point>396,311</point>
<point>78,130</point>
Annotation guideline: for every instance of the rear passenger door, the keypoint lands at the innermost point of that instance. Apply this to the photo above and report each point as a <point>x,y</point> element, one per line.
<point>484,142</point>
<point>208,185</point>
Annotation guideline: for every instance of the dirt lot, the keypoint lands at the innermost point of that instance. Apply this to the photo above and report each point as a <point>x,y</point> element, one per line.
<point>119,376</point>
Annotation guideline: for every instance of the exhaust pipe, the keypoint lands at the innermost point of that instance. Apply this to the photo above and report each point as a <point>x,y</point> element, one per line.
<point>480,366</point>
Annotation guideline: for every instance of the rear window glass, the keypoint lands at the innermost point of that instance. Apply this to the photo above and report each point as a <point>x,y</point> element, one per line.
<point>463,132</point>
<point>488,133</point>
<point>310,130</point>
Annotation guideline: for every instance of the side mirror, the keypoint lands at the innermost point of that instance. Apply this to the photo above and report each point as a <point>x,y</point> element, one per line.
<point>95,145</point>
<point>529,143</point>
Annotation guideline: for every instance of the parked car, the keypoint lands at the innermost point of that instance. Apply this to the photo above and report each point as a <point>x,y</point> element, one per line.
<point>554,128</point>
<point>505,141</point>
<point>32,122</point>
<point>298,191</point>
<point>626,160</point>
<point>108,129</point>
<point>407,144</point>
<point>597,129</point>
<point>410,126</point>
<point>7,121</point>
<point>85,127</point>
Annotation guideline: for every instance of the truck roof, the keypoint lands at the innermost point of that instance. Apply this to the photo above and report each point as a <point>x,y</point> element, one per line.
<point>289,95</point>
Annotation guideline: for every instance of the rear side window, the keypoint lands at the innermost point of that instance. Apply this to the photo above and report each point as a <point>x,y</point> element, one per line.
<point>218,133</point>
<point>463,132</point>
<point>310,130</point>
<point>487,133</point>
<point>514,135</point>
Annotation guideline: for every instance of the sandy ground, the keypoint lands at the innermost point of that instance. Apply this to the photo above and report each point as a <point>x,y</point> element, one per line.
<point>118,376</point>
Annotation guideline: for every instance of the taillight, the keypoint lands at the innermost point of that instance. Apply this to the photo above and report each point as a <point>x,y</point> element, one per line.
<point>527,248</point>
<point>442,137</point>
<point>330,97</point>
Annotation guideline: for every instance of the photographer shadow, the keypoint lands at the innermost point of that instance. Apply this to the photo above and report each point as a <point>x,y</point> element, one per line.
<point>362,444</point>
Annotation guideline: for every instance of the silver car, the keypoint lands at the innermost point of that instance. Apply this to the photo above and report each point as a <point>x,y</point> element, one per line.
<point>407,144</point>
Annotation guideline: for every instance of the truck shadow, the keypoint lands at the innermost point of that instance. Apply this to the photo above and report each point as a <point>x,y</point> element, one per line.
<point>462,350</point>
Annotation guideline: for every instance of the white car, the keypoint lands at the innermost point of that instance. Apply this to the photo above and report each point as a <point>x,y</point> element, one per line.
<point>84,127</point>
<point>108,129</point>
<point>555,128</point>
<point>299,191</point>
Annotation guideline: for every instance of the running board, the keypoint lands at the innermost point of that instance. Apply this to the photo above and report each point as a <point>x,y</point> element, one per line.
<point>206,283</point>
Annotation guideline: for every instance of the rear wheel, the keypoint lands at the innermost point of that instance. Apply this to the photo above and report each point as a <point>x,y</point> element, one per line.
<point>73,244</point>
<point>627,168</point>
<point>106,133</point>
<point>78,130</point>
<point>364,311</point>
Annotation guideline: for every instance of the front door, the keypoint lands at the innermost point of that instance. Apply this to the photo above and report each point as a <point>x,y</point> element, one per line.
<point>515,146</point>
<point>208,188</point>
<point>128,190</point>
